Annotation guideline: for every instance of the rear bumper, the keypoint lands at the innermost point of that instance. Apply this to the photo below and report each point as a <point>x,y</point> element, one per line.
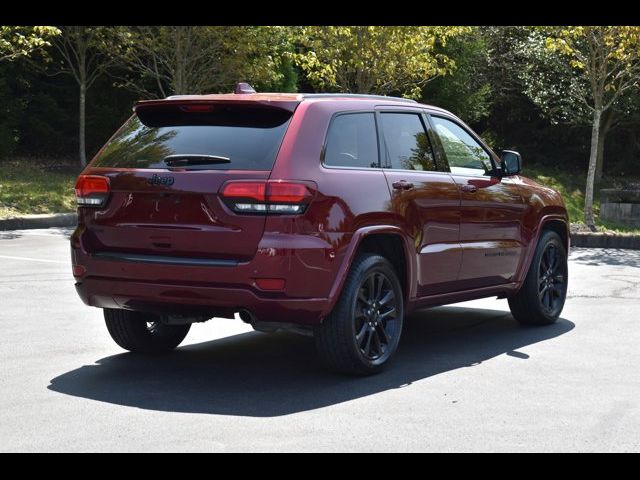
<point>210,301</point>
<point>218,290</point>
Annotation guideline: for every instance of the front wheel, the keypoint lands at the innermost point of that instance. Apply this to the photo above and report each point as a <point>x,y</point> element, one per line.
<point>541,298</point>
<point>362,332</point>
<point>143,332</point>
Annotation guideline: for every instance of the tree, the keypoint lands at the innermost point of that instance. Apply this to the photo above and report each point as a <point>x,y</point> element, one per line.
<point>176,60</point>
<point>550,82</point>
<point>374,59</point>
<point>85,55</point>
<point>467,91</point>
<point>606,64</point>
<point>16,42</point>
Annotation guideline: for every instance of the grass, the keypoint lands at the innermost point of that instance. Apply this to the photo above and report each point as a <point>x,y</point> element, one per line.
<point>571,186</point>
<point>28,187</point>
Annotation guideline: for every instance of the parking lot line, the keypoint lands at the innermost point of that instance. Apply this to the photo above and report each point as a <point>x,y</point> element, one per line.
<point>10,257</point>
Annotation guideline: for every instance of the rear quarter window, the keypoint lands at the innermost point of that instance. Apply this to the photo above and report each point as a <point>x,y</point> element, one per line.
<point>352,141</point>
<point>249,137</point>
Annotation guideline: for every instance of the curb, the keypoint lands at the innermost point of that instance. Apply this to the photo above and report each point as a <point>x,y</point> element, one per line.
<point>598,240</point>
<point>40,221</point>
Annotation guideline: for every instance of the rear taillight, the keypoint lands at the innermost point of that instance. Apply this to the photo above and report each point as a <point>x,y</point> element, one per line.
<point>267,197</point>
<point>92,191</point>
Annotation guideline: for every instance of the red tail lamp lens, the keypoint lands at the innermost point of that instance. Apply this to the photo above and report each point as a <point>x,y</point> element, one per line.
<point>92,190</point>
<point>253,190</point>
<point>286,192</point>
<point>267,197</point>
<point>270,283</point>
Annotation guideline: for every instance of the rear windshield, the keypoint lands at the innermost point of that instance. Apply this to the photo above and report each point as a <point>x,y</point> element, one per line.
<point>248,137</point>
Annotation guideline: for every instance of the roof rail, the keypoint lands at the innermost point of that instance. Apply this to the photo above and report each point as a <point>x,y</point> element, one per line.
<point>357,95</point>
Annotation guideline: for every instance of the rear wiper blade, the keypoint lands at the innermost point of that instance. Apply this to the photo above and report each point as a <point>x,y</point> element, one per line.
<point>187,159</point>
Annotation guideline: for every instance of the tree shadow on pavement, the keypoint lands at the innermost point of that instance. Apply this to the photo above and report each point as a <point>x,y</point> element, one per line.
<point>9,235</point>
<point>606,256</point>
<point>266,375</point>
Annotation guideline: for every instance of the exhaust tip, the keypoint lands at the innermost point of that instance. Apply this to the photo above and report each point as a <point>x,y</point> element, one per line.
<point>247,317</point>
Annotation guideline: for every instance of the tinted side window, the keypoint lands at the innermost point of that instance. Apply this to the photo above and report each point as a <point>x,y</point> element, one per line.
<point>465,155</point>
<point>407,143</point>
<point>352,141</point>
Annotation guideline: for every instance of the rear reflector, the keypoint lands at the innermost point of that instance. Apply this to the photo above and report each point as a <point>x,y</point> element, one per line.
<point>79,270</point>
<point>270,283</point>
<point>92,190</point>
<point>267,197</point>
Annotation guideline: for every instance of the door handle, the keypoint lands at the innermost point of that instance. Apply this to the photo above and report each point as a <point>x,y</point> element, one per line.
<point>469,188</point>
<point>402,185</point>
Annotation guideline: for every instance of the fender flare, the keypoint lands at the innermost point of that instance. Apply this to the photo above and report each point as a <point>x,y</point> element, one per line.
<point>533,243</point>
<point>350,254</point>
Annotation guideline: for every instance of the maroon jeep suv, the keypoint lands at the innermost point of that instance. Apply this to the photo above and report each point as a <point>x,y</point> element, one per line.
<point>332,215</point>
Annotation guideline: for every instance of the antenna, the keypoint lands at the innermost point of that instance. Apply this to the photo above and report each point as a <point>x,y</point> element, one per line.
<point>242,87</point>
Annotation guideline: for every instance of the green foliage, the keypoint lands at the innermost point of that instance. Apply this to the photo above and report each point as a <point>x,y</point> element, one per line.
<point>370,59</point>
<point>22,41</point>
<point>466,90</point>
<point>259,55</point>
<point>168,60</point>
<point>550,82</point>
<point>27,187</point>
<point>569,71</point>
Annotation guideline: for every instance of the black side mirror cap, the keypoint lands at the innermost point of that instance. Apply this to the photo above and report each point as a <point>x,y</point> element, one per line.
<point>511,163</point>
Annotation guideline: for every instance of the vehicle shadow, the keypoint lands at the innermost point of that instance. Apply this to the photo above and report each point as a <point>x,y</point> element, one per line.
<point>266,375</point>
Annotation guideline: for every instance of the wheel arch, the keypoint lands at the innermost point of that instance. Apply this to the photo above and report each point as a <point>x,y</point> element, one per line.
<point>388,241</point>
<point>561,227</point>
<point>554,222</point>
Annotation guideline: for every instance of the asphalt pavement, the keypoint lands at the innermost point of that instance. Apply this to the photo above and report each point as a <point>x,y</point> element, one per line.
<point>466,377</point>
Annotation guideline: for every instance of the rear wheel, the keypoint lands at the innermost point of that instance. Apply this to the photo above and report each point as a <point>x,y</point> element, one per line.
<point>542,296</point>
<point>362,332</point>
<point>143,332</point>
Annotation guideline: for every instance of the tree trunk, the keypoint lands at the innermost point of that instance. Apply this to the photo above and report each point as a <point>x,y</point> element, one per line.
<point>83,96</point>
<point>599,157</point>
<point>591,174</point>
<point>605,126</point>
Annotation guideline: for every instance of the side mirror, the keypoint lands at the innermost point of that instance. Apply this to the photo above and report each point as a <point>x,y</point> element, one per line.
<point>511,162</point>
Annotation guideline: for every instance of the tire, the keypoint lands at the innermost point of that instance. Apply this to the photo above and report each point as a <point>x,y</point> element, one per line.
<point>541,298</point>
<point>361,334</point>
<point>142,332</point>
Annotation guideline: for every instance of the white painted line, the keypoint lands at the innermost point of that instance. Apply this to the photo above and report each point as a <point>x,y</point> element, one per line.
<point>32,259</point>
<point>39,232</point>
